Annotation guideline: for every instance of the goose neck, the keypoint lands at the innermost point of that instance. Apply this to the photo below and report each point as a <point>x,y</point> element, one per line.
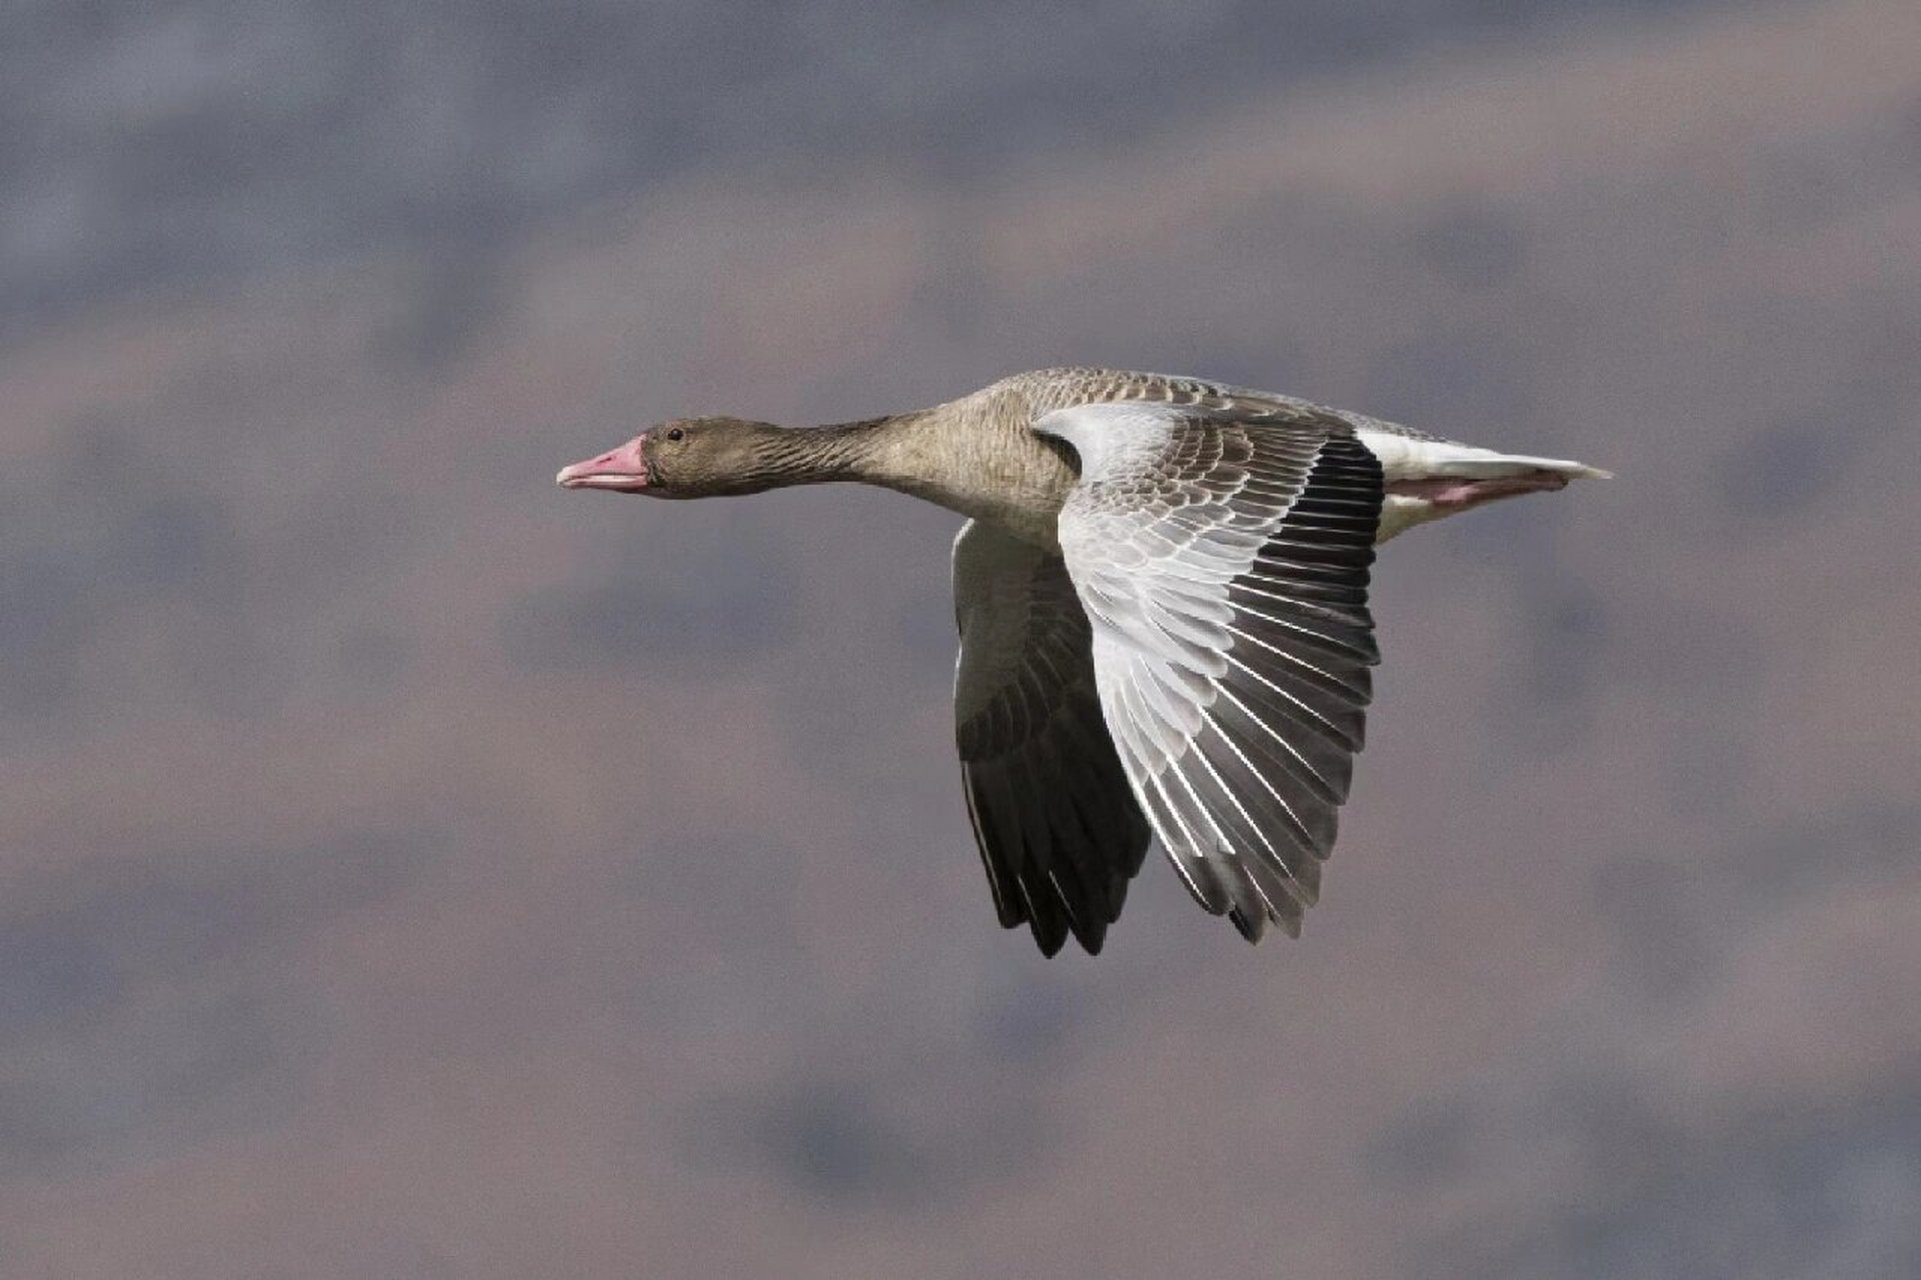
<point>894,452</point>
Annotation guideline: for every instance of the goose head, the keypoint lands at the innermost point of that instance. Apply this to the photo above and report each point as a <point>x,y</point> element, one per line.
<point>687,458</point>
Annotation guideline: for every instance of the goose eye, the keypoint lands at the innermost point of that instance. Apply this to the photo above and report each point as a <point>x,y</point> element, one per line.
<point>676,434</point>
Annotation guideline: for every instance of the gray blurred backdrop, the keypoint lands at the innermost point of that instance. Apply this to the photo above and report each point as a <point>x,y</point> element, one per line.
<point>409,870</point>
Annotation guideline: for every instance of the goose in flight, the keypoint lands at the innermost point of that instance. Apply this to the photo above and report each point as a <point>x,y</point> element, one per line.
<point>1161,590</point>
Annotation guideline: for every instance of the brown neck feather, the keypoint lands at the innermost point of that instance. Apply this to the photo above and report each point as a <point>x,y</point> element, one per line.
<point>820,455</point>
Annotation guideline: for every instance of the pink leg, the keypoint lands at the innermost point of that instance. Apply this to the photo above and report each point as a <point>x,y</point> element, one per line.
<point>1457,493</point>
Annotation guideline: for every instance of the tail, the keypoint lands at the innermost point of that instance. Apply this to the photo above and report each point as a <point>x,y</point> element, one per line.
<point>1412,458</point>
<point>1427,479</point>
<point>1485,464</point>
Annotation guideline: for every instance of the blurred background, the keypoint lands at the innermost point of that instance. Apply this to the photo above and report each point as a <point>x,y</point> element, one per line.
<point>409,870</point>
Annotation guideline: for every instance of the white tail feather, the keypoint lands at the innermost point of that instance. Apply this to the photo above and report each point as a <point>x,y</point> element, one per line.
<point>1406,458</point>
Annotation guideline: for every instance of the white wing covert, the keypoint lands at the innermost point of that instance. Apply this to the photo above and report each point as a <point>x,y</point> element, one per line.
<point>1222,558</point>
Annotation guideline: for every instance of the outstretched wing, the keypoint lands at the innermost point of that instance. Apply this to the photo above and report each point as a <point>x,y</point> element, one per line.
<point>1222,558</point>
<point>1058,829</point>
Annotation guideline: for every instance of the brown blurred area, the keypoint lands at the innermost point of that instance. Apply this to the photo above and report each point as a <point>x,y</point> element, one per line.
<point>407,869</point>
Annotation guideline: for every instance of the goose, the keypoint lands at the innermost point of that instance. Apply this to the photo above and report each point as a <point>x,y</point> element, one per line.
<point>1161,592</point>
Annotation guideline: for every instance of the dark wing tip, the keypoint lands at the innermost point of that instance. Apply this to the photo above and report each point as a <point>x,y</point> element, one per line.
<point>1091,937</point>
<point>1050,934</point>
